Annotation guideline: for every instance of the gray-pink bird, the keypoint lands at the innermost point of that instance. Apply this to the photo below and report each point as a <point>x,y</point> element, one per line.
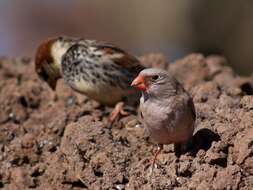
<point>167,111</point>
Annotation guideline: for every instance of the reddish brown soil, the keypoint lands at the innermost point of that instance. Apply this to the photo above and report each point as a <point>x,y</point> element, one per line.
<point>61,140</point>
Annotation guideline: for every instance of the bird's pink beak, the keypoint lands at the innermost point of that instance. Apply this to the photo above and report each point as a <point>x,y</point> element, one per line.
<point>139,83</point>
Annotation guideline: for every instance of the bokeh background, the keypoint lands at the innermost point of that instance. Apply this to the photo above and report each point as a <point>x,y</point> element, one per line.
<point>172,27</point>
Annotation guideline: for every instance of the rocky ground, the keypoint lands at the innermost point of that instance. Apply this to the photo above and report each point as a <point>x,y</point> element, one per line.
<point>61,140</point>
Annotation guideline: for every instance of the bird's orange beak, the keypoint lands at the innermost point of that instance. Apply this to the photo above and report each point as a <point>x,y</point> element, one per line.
<point>139,83</point>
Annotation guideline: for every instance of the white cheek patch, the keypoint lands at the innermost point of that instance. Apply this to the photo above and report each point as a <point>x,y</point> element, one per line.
<point>58,50</point>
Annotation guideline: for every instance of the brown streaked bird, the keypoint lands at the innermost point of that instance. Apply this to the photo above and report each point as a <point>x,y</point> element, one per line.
<point>167,111</point>
<point>99,70</point>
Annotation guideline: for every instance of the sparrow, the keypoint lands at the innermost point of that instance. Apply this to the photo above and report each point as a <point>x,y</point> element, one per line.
<point>99,70</point>
<point>167,111</point>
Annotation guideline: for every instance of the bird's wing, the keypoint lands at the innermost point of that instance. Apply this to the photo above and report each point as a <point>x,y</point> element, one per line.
<point>181,106</point>
<point>120,57</point>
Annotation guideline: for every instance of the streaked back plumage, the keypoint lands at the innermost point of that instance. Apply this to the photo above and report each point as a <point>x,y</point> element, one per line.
<point>100,70</point>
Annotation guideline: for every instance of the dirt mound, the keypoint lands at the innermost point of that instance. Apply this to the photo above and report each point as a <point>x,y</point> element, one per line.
<point>62,140</point>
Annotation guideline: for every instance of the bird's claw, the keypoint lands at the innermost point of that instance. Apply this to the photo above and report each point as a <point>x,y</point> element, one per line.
<point>118,110</point>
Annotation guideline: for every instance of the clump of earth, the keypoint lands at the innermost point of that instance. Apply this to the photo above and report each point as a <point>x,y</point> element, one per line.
<point>62,140</point>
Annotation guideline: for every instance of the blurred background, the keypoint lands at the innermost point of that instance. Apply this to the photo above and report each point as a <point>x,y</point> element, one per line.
<point>172,27</point>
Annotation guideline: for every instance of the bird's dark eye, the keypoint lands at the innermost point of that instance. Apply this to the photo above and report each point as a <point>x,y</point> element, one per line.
<point>155,77</point>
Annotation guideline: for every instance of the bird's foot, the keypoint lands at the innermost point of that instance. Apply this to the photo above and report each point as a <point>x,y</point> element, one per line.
<point>118,110</point>
<point>153,163</point>
<point>151,171</point>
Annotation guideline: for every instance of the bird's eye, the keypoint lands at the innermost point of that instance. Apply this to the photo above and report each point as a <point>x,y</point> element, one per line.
<point>155,77</point>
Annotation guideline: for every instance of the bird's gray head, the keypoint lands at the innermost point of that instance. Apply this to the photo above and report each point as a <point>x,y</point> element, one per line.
<point>156,82</point>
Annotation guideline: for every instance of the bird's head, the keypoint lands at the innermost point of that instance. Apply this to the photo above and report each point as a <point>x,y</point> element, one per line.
<point>155,82</point>
<point>48,59</point>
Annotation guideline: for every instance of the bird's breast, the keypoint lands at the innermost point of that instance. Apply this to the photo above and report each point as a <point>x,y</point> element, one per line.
<point>166,124</point>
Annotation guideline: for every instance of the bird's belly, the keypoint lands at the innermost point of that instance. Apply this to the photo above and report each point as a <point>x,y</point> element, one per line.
<point>168,135</point>
<point>167,131</point>
<point>105,94</point>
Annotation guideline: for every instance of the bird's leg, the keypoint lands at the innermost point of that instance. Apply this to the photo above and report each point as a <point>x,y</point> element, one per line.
<point>159,149</point>
<point>118,109</point>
